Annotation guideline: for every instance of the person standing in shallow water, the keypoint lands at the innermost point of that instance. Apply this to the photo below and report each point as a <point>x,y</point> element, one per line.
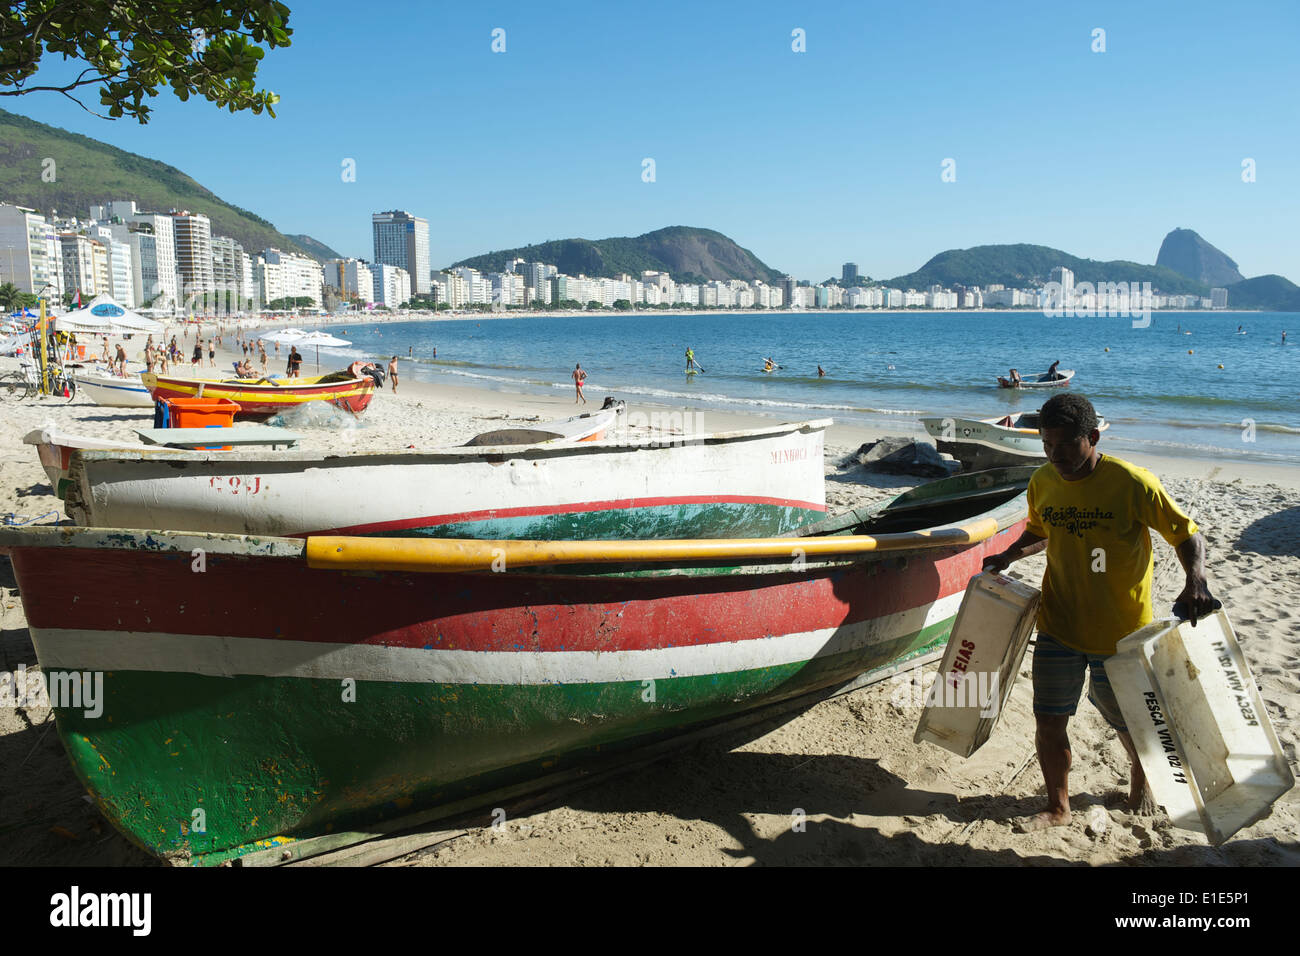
<point>579,376</point>
<point>1092,513</point>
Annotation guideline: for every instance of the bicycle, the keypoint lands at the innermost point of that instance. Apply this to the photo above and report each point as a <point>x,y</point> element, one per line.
<point>18,385</point>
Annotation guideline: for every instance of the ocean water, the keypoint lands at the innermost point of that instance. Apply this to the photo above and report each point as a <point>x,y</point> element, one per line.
<point>1160,386</point>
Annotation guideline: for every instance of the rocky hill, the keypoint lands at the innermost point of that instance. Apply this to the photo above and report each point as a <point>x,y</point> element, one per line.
<point>1188,254</point>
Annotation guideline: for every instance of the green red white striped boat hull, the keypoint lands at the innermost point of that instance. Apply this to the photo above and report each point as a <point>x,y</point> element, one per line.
<point>284,698</point>
<point>755,482</point>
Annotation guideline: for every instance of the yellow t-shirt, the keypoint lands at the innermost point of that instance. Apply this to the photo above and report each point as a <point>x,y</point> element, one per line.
<point>1097,587</point>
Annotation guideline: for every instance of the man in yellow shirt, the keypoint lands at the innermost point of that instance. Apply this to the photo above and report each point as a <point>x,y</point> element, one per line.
<point>1092,513</point>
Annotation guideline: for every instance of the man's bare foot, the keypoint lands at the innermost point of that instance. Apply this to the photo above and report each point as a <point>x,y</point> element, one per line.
<point>1041,821</point>
<point>1142,802</point>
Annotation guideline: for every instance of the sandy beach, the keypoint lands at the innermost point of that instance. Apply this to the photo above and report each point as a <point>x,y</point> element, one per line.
<point>847,766</point>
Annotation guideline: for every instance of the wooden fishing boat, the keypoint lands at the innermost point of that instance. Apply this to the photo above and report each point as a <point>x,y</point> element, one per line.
<point>261,398</point>
<point>256,689</point>
<point>113,391</point>
<point>980,443</point>
<point>1041,380</point>
<point>55,449</point>
<point>730,484</point>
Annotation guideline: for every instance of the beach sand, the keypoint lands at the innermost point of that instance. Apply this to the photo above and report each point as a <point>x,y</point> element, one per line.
<point>841,783</point>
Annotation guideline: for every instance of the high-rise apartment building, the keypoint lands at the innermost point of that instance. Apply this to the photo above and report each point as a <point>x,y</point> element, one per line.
<point>849,275</point>
<point>25,252</point>
<point>193,233</point>
<point>402,240</point>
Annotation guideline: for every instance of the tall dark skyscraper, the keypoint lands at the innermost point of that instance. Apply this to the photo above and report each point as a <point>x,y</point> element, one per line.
<point>850,274</point>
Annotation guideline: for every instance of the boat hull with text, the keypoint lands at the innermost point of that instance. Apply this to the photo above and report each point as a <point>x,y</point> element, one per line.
<point>292,688</point>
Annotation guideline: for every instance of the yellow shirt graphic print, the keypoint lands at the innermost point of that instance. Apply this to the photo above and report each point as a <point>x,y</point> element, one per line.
<point>1097,587</point>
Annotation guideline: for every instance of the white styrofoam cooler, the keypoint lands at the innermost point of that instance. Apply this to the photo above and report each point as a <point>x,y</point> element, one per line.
<point>1202,734</point>
<point>981,663</point>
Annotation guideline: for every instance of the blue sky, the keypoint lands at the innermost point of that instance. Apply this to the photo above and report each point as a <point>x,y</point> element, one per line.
<point>808,159</point>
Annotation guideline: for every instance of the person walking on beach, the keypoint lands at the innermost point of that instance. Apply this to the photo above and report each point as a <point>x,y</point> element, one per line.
<point>212,354</point>
<point>1092,513</point>
<point>392,373</point>
<point>261,354</point>
<point>196,359</point>
<point>579,376</point>
<point>121,360</point>
<point>295,361</point>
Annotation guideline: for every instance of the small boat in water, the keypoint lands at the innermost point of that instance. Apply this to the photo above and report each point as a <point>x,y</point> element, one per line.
<point>261,398</point>
<point>293,688</point>
<point>758,481</point>
<point>1041,380</point>
<point>980,443</point>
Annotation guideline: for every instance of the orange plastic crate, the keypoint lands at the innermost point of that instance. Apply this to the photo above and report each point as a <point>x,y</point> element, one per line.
<point>201,412</point>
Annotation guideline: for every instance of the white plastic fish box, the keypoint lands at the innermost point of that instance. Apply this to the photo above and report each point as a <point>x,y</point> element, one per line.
<point>1199,725</point>
<point>981,662</point>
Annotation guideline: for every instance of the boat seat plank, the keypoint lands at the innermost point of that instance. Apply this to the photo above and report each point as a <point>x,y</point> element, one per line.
<point>238,435</point>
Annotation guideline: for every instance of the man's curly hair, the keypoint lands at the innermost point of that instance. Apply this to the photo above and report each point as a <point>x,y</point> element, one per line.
<point>1070,411</point>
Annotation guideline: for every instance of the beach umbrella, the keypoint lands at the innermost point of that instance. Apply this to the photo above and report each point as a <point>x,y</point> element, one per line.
<point>299,337</point>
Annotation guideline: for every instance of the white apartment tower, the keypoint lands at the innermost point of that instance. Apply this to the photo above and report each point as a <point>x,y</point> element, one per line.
<point>193,233</point>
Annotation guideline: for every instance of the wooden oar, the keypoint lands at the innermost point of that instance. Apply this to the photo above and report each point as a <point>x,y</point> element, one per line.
<point>452,554</point>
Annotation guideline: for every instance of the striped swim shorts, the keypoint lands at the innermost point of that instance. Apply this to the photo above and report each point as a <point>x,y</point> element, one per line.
<point>1058,680</point>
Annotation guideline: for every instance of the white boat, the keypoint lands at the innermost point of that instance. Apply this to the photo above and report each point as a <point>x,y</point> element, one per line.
<point>114,391</point>
<point>983,443</point>
<point>759,481</point>
<point>55,450</point>
<point>1040,380</point>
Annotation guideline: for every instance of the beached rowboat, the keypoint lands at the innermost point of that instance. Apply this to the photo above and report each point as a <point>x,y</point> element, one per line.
<point>753,482</point>
<point>114,392</point>
<point>981,443</point>
<point>290,687</point>
<point>259,399</point>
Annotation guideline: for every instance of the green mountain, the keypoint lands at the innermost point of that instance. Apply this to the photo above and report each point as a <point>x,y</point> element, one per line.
<point>1271,293</point>
<point>1188,254</point>
<point>1025,266</point>
<point>687,253</point>
<point>314,247</point>
<point>87,172</point>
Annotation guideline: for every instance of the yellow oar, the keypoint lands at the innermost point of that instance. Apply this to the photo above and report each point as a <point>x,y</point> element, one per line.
<point>461,554</point>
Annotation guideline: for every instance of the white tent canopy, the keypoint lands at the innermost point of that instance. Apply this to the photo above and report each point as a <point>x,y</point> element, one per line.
<point>104,316</point>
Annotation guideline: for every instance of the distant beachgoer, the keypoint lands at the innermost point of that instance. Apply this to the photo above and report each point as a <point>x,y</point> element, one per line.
<point>1284,338</point>
<point>261,354</point>
<point>295,361</point>
<point>212,355</point>
<point>690,358</point>
<point>410,351</point>
<point>245,345</point>
<point>579,376</point>
<point>277,349</point>
<point>821,372</point>
<point>768,365</point>
<point>435,351</point>
<point>104,355</point>
<point>392,372</point>
<point>121,360</point>
<point>197,357</point>
<point>149,356</point>
<point>1015,378</point>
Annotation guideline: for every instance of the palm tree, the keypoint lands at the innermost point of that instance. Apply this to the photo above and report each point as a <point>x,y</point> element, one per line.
<point>9,296</point>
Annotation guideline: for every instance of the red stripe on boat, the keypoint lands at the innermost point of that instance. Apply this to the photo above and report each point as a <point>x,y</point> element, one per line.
<point>149,592</point>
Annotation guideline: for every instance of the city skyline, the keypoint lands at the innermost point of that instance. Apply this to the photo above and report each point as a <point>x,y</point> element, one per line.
<point>809,159</point>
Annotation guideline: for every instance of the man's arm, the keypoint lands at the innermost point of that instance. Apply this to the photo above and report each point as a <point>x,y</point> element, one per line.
<point>1196,592</point>
<point>1027,544</point>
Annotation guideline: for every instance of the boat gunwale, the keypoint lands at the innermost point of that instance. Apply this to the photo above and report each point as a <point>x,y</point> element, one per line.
<point>457,453</point>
